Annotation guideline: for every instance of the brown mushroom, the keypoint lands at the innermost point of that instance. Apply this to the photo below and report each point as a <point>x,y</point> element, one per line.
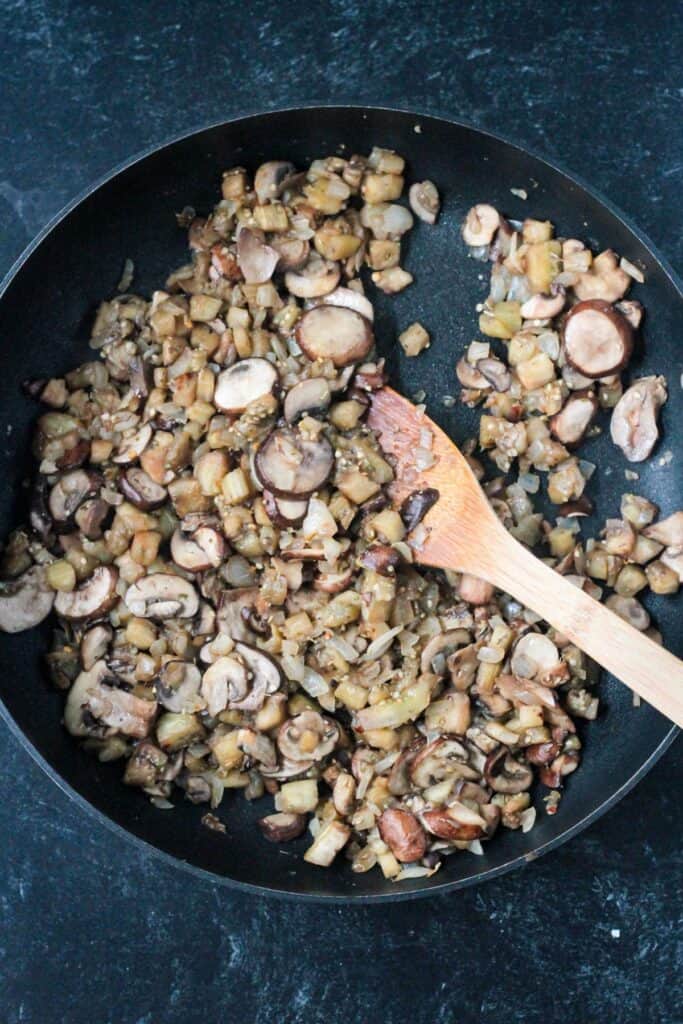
<point>534,655</point>
<point>283,826</point>
<point>204,549</point>
<point>441,759</point>
<point>309,397</point>
<point>480,225</point>
<point>437,650</point>
<point>244,382</point>
<point>257,746</point>
<point>229,615</point>
<point>94,644</point>
<point>162,595</point>
<point>94,708</point>
<point>633,426</point>
<point>224,682</point>
<point>333,582</point>
<point>403,834</point>
<point>293,252</point>
<point>416,506</point>
<point>455,823</point>
<point>284,512</point>
<point>131,448</point>
<point>94,597</point>
<point>70,491</point>
<point>293,466</point>
<point>26,601</point>
<point>351,299</point>
<point>177,687</point>
<point>424,201</point>
<point>544,307</point>
<point>570,424</point>
<point>495,372</point>
<point>598,340</point>
<point>91,517</point>
<point>255,258</point>
<point>272,178</point>
<point>336,333</point>
<point>264,677</point>
<point>506,775</point>
<point>470,377</point>
<point>605,280</point>
<point>308,736</point>
<point>140,490</point>
<point>381,558</point>
<point>317,278</point>
<point>520,690</point>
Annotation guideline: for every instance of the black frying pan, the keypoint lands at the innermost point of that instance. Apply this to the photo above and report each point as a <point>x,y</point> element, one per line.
<point>46,308</point>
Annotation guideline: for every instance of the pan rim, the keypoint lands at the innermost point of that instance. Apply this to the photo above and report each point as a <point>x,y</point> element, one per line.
<point>436,888</point>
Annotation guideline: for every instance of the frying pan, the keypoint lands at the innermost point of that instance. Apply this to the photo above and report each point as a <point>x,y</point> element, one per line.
<point>46,309</point>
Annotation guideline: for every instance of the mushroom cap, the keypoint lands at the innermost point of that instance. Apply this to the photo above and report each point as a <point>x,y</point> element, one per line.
<point>307,723</point>
<point>244,382</point>
<point>335,332</point>
<point>317,278</point>
<point>293,466</point>
<point>95,596</point>
<point>162,595</point>
<point>224,682</point>
<point>25,601</point>
<point>598,340</point>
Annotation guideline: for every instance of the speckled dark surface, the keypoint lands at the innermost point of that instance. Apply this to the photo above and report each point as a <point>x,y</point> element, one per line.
<point>91,929</point>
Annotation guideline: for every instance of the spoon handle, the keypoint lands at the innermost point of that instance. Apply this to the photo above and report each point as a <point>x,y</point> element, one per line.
<point>648,669</point>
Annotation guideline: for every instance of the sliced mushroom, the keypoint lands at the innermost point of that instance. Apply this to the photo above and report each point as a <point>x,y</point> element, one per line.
<point>480,225</point>
<point>205,549</point>
<point>177,687</point>
<point>26,601</point>
<point>319,277</point>
<point>571,423</point>
<point>140,490</point>
<point>351,299</point>
<point>131,448</point>
<point>307,398</point>
<point>162,595</point>
<point>633,426</point>
<point>271,179</point>
<point>283,511</point>
<point>96,709</point>
<point>544,307</point>
<point>258,747</point>
<point>264,677</point>
<point>495,372</point>
<point>520,690</point>
<point>91,517</point>
<point>383,559</point>
<point>439,760</point>
<point>399,776</point>
<point>668,532</point>
<point>598,340</point>
<point>287,770</point>
<point>146,766</point>
<point>386,220</point>
<point>455,823</point>
<point>282,827</point>
<point>470,377</point>
<point>462,666</point>
<point>229,616</point>
<point>224,682</point>
<point>534,655</point>
<point>333,582</point>
<point>605,280</point>
<point>293,252</point>
<point>424,201</point>
<point>307,736</point>
<point>244,382</point>
<point>403,834</point>
<point>416,506</point>
<point>255,258</point>
<point>290,465</point>
<point>506,775</point>
<point>70,491</point>
<point>336,333</point>
<point>94,597</point>
<point>94,645</point>
<point>630,610</point>
<point>436,651</point>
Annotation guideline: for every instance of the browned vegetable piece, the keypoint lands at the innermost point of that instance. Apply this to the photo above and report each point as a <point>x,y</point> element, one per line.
<point>290,465</point>
<point>141,490</point>
<point>445,823</point>
<point>403,834</point>
<point>317,278</point>
<point>480,225</point>
<point>336,333</point>
<point>381,558</point>
<point>244,382</point>
<point>598,340</point>
<point>310,397</point>
<point>282,827</point>
<point>70,491</point>
<point>570,424</point>
<point>504,774</point>
<point>424,201</point>
<point>272,178</point>
<point>285,512</point>
<point>94,597</point>
<point>416,506</point>
<point>634,419</point>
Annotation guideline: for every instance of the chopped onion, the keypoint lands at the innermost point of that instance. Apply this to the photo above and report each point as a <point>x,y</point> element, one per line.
<point>313,683</point>
<point>527,818</point>
<point>479,252</point>
<point>381,645</point>
<point>476,848</point>
<point>530,482</point>
<point>478,350</point>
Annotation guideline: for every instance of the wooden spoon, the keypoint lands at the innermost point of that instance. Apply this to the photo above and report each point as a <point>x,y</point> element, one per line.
<point>462,532</point>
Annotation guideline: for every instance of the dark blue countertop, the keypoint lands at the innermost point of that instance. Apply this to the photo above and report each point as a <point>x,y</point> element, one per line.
<point>93,930</point>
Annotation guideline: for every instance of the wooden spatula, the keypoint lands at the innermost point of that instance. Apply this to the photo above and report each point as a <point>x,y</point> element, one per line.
<point>462,532</point>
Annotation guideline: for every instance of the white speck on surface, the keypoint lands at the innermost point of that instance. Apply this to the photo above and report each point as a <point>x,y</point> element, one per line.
<point>666,458</point>
<point>521,193</point>
<point>417,129</point>
<point>631,474</point>
<point>477,51</point>
<point>616,933</point>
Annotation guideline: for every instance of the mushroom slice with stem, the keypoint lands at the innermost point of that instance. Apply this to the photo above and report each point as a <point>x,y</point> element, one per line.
<point>441,759</point>
<point>351,299</point>
<point>495,372</point>
<point>293,252</point>
<point>544,307</point>
<point>570,424</point>
<point>224,682</point>
<point>230,608</point>
<point>525,691</point>
<point>131,448</point>
<point>177,687</point>
<point>481,224</point>
<point>263,675</point>
<point>96,709</point>
<point>94,644</point>
<point>598,340</point>
<point>70,491</point>
<point>141,490</point>
<point>437,650</point>
<point>283,511</point>
<point>416,506</point>
<point>336,333</point>
<point>91,516</point>
<point>205,549</point>
<point>471,377</point>
<point>308,397</point>
<point>255,258</point>
<point>26,601</point>
<point>504,774</point>
<point>244,382</point>
<point>162,595</point>
<point>258,747</point>
<point>94,597</point>
<point>319,277</point>
<point>271,179</point>
<point>455,823</point>
<point>424,201</point>
<point>534,655</point>
<point>283,826</point>
<point>308,736</point>
<point>291,465</point>
<point>633,426</point>
<point>403,834</point>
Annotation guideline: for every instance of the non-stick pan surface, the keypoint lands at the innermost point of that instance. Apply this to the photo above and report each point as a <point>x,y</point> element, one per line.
<point>46,310</point>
